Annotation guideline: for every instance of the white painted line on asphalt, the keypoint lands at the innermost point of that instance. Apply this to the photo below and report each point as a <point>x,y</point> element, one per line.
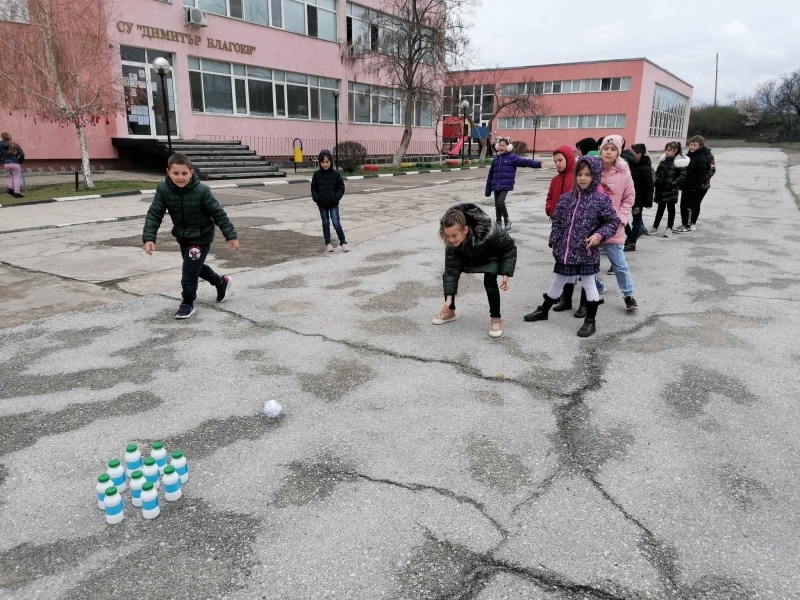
<point>467,178</point>
<point>456,169</point>
<point>225,186</point>
<point>435,171</point>
<point>412,172</point>
<point>373,190</point>
<point>355,177</point>
<point>385,174</point>
<point>146,192</point>
<point>93,221</point>
<point>438,182</point>
<point>472,168</point>
<point>275,182</point>
<point>66,198</point>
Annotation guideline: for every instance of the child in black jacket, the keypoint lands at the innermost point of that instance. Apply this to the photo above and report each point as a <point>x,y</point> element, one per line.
<point>327,189</point>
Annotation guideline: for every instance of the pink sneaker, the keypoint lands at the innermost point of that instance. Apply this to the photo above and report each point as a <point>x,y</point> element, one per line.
<point>345,248</point>
<point>329,248</point>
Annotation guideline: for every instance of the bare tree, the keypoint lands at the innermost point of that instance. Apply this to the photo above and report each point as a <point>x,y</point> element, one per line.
<point>789,91</point>
<point>751,112</point>
<point>511,97</point>
<point>411,44</point>
<point>59,64</point>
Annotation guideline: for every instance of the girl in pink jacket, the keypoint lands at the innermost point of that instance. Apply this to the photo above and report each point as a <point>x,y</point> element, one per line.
<point>618,184</point>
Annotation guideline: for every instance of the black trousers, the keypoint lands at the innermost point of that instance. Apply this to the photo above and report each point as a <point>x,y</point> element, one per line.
<point>690,205</point>
<point>492,292</point>
<point>670,206</point>
<point>501,212</point>
<point>194,268</point>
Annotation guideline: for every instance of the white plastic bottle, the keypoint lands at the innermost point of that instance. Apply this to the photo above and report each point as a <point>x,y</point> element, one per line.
<point>150,508</point>
<point>159,453</point>
<point>172,484</point>
<point>133,459</point>
<point>103,483</point>
<point>115,507</point>
<point>150,471</point>
<point>181,466</point>
<point>137,480</point>
<point>117,474</point>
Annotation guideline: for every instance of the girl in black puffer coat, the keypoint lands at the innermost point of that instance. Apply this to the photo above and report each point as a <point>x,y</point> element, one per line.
<point>670,175</point>
<point>327,189</point>
<point>473,244</point>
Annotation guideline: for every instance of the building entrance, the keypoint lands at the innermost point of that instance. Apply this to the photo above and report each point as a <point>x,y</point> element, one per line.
<point>144,96</point>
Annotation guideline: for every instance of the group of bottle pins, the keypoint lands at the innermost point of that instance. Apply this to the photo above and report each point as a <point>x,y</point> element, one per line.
<point>145,477</point>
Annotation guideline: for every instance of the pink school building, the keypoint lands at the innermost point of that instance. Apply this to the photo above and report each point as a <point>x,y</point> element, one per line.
<point>260,71</point>
<point>631,97</point>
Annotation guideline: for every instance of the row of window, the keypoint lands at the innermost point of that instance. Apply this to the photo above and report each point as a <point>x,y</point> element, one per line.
<point>15,11</point>
<point>568,122</point>
<point>384,106</point>
<point>229,88</point>
<point>669,113</point>
<point>573,86</point>
<point>480,98</point>
<point>315,18</point>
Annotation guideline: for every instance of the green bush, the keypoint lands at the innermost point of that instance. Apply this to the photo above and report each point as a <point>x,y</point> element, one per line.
<point>351,155</point>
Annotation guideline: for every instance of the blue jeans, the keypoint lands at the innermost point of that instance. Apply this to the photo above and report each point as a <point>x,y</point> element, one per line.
<point>331,214</point>
<point>616,255</point>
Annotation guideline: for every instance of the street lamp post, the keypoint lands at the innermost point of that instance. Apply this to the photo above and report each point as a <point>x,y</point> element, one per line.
<point>336,127</point>
<point>464,109</point>
<point>161,66</point>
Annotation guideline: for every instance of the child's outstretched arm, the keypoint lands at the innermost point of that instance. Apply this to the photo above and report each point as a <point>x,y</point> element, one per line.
<point>221,220</point>
<point>155,215</point>
<point>527,162</point>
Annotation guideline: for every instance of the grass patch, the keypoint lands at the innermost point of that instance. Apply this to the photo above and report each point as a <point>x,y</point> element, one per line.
<point>60,190</point>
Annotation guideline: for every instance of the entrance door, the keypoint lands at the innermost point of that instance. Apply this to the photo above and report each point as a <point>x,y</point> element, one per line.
<point>144,96</point>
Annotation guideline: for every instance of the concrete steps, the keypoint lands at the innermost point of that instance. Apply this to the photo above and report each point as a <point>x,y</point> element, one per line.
<point>225,160</point>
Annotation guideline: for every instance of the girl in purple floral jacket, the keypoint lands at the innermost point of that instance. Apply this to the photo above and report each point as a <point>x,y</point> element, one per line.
<point>583,218</point>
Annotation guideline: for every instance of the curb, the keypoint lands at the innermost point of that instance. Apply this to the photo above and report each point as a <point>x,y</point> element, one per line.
<point>225,186</point>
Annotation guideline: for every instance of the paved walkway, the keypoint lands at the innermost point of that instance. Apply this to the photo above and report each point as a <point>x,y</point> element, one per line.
<point>657,459</point>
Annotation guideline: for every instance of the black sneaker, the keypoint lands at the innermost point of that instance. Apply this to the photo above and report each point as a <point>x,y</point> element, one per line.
<point>588,328</point>
<point>540,314</point>
<point>610,270</point>
<point>629,248</point>
<point>184,311</point>
<point>224,288</point>
<point>630,303</point>
<point>18,195</point>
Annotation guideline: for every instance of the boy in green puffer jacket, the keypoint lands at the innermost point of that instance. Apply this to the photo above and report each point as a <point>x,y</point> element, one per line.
<point>194,212</point>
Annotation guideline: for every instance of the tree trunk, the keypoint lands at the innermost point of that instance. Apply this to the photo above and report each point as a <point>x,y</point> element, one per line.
<point>484,148</point>
<point>87,170</point>
<point>406,139</point>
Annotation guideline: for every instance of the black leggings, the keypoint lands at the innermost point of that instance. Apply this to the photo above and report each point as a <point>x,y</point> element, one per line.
<point>690,205</point>
<point>670,206</point>
<point>492,292</point>
<point>501,212</point>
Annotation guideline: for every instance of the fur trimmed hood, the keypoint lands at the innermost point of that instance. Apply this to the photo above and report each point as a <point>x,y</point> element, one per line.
<point>480,224</point>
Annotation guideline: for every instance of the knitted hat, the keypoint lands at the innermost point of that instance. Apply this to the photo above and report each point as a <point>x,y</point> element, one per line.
<point>616,140</point>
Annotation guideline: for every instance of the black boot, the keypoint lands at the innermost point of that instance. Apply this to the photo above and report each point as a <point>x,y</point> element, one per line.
<point>565,302</point>
<point>581,312</point>
<point>588,327</point>
<point>541,312</point>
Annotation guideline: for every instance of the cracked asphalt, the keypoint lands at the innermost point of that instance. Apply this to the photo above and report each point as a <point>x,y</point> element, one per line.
<point>657,459</point>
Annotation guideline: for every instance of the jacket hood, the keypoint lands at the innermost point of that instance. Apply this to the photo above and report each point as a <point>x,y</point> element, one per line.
<point>326,153</point>
<point>645,162</point>
<point>704,150</point>
<point>189,186</point>
<point>479,222</point>
<point>629,156</point>
<point>681,161</point>
<point>596,164</point>
<point>569,154</point>
<point>586,145</point>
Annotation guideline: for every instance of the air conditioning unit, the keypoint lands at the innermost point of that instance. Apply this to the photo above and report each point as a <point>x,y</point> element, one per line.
<point>195,16</point>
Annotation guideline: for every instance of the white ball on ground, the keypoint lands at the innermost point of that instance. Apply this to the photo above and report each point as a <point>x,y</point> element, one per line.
<point>272,409</point>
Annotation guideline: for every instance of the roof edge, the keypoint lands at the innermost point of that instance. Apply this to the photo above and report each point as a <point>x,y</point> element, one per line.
<point>582,62</point>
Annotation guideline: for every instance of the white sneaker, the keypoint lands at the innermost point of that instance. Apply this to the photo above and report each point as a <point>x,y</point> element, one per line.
<point>445,317</point>
<point>652,231</point>
<point>693,227</point>
<point>496,328</point>
<point>668,233</point>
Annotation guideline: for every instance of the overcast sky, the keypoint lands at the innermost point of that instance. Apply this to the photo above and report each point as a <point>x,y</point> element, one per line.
<point>756,40</point>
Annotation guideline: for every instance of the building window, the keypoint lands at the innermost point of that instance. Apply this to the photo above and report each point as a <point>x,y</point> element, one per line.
<point>15,11</point>
<point>669,113</point>
<point>480,98</point>
<point>384,106</point>
<point>566,122</point>
<point>230,88</point>
<point>315,18</point>
<point>572,86</point>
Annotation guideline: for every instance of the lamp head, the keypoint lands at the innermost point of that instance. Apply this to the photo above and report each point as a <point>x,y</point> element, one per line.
<point>335,93</point>
<point>161,65</point>
<point>465,105</point>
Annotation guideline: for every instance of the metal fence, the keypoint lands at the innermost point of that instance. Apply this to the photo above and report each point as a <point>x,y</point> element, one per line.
<point>283,147</point>
<point>52,171</point>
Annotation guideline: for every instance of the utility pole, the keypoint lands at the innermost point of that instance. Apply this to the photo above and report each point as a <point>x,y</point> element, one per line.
<point>716,77</point>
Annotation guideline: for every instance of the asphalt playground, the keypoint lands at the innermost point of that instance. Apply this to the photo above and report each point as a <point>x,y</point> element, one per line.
<point>657,459</point>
